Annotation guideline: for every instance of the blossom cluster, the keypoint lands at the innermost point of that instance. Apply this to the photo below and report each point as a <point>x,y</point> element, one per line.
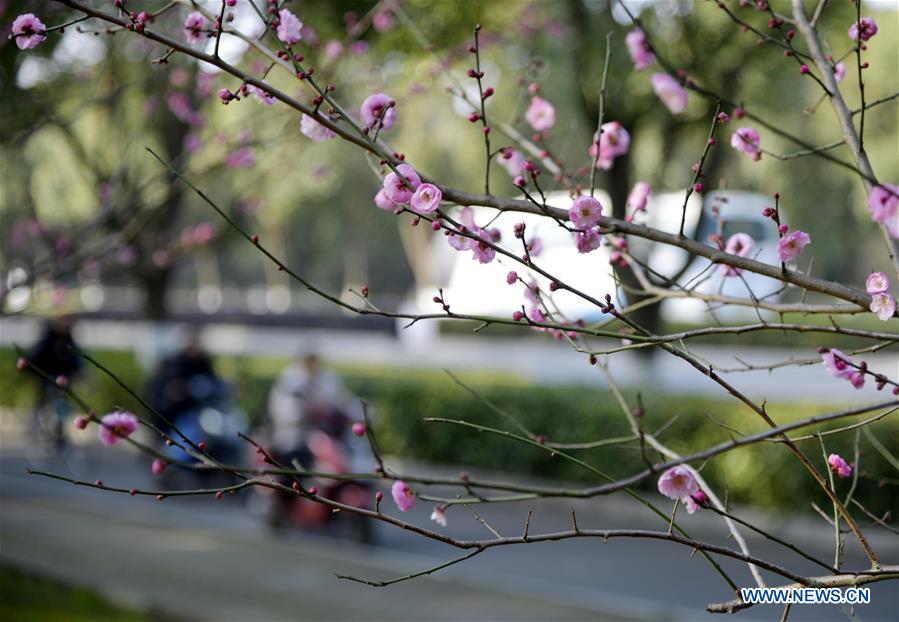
<point>404,190</point>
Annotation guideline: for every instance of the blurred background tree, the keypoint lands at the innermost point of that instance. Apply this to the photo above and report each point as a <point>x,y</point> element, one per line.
<point>83,204</point>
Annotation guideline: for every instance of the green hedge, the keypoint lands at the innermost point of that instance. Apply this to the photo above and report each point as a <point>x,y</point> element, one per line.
<point>25,597</point>
<point>764,474</point>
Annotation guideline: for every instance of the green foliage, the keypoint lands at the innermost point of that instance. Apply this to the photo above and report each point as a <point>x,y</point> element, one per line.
<point>315,199</point>
<point>764,474</point>
<point>27,598</point>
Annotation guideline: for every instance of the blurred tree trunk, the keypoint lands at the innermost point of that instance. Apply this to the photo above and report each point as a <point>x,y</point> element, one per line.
<point>155,284</point>
<point>162,228</point>
<point>617,180</point>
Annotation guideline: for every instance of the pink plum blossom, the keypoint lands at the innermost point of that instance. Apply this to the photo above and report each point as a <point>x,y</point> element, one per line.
<point>400,190</point>
<point>669,90</point>
<point>540,114</point>
<point>203,233</point>
<point>310,36</point>
<point>192,143</point>
<point>613,141</point>
<point>241,157</point>
<point>638,197</point>
<point>537,315</point>
<point>403,495</point>
<point>289,27</point>
<point>459,242</point>
<point>877,283</point>
<point>746,139</point>
<point>479,244</point>
<point>384,202</point>
<point>481,248</point>
<point>836,364</point>
<point>29,31</point>
<point>790,246</point>
<point>333,49</point>
<point>638,48</point>
<point>438,515</point>
<point>695,501</point>
<point>264,97</point>
<point>158,466</point>
<point>857,379</point>
<point>315,131</point>
<point>513,161</point>
<point>883,203</point>
<point>426,198</point>
<point>193,27</point>
<point>379,107</point>
<point>839,466</point>
<point>205,83</point>
<point>178,77</point>
<point>359,429</point>
<point>587,241</point>
<point>585,212</point>
<point>115,426</point>
<point>739,244</point>
<point>535,246</point>
<point>512,277</point>
<point>161,258</point>
<point>383,20</point>
<point>678,482</point>
<point>883,306</point>
<point>839,71</point>
<point>863,29</point>
<point>179,103</point>
<point>226,96</point>
<point>126,255</point>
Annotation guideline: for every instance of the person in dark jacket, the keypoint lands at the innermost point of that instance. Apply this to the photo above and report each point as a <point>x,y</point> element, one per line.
<point>54,355</point>
<point>182,379</point>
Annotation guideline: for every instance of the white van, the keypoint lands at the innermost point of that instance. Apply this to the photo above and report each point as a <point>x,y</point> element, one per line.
<point>481,289</point>
<point>474,288</point>
<point>740,212</point>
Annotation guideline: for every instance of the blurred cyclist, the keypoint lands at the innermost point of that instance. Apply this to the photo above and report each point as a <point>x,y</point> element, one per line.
<point>54,355</point>
<point>305,397</point>
<point>183,380</point>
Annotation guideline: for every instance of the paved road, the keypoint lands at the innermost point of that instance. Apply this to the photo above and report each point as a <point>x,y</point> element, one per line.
<point>209,560</point>
<point>536,360</point>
